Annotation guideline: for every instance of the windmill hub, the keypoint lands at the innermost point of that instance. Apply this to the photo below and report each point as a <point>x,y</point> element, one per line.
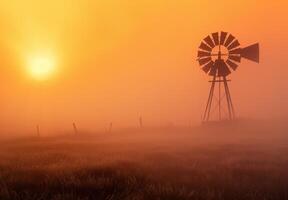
<point>221,52</point>
<point>219,55</point>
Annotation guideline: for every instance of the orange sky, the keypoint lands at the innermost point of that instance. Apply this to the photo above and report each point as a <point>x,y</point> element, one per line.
<point>116,60</point>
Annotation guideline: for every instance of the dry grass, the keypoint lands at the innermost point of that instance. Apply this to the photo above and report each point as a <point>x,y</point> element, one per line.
<point>218,163</point>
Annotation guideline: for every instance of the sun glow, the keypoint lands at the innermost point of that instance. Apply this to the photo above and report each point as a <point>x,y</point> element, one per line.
<point>41,67</point>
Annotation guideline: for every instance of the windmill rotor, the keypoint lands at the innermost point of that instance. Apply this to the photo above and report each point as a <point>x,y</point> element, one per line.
<point>220,54</point>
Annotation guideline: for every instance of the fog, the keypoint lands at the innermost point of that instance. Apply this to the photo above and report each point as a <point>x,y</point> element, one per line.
<point>117,61</point>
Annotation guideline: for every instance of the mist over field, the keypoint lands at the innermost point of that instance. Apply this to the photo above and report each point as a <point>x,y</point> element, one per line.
<point>105,99</point>
<point>242,160</point>
<point>115,60</point>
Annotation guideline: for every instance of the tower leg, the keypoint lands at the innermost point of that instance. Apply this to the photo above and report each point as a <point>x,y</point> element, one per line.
<point>209,102</point>
<point>219,99</point>
<point>229,100</point>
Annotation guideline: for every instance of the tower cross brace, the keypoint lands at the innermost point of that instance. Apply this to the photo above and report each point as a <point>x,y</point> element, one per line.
<point>222,83</point>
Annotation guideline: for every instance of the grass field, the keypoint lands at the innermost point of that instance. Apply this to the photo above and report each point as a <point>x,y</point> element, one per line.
<point>240,161</point>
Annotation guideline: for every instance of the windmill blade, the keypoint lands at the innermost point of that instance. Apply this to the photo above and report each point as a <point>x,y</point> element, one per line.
<point>235,51</point>
<point>205,47</point>
<point>203,61</point>
<point>232,64</point>
<point>208,66</point>
<point>251,52</point>
<point>223,69</point>
<point>216,38</point>
<point>203,54</point>
<point>222,37</point>
<point>234,58</point>
<point>229,40</point>
<point>233,45</point>
<point>209,41</point>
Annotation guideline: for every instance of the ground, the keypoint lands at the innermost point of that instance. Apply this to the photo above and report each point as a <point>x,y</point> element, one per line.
<point>245,160</point>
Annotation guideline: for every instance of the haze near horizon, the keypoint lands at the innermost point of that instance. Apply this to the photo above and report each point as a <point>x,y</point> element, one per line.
<point>113,61</point>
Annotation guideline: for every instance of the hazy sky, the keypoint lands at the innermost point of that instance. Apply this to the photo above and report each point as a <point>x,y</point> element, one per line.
<point>118,59</point>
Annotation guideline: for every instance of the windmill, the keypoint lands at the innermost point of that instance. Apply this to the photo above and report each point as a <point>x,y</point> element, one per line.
<point>219,54</point>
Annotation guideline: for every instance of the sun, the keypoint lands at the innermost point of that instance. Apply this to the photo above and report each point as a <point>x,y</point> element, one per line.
<point>41,67</point>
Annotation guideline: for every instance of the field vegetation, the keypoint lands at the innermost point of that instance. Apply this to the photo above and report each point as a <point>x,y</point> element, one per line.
<point>247,160</point>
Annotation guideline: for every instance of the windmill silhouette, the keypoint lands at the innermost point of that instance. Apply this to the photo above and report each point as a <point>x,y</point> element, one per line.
<point>218,56</point>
